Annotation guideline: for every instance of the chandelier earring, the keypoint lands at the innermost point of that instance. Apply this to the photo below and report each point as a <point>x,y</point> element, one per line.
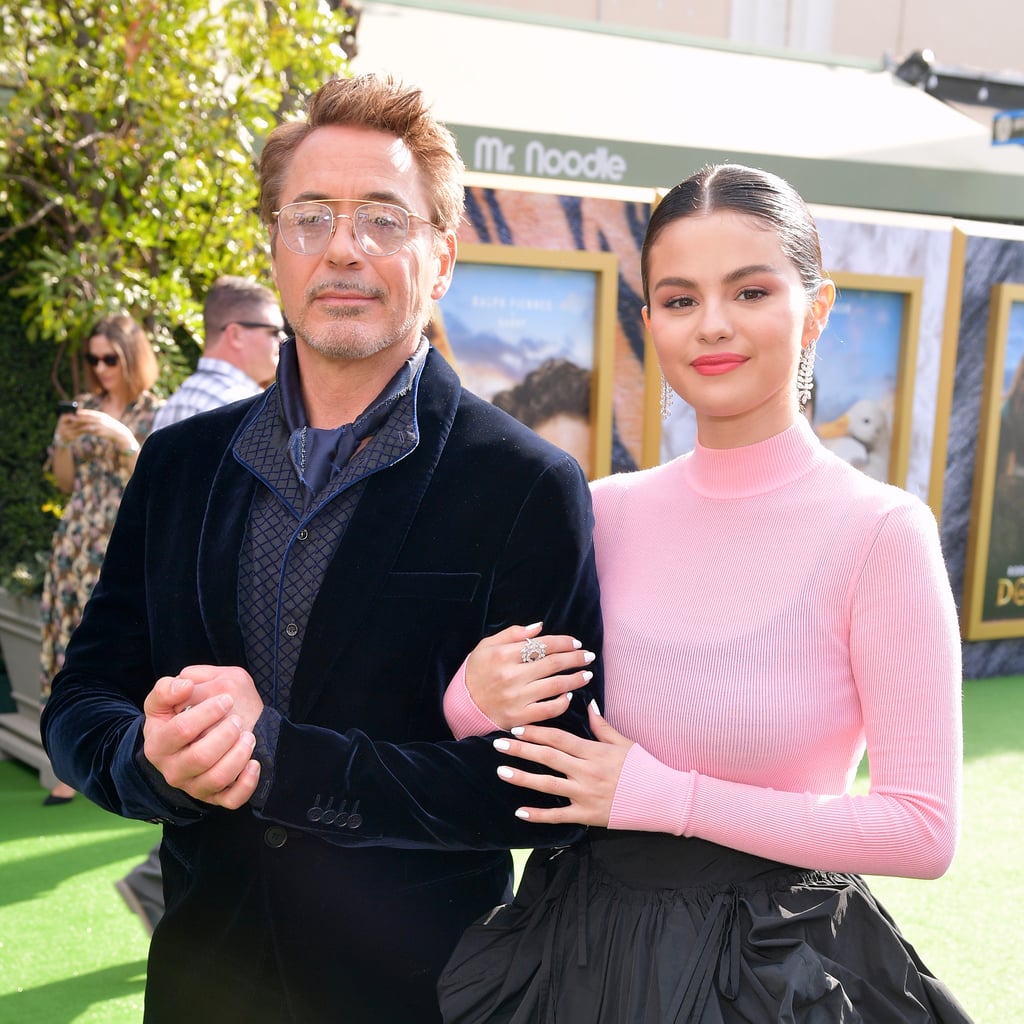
<point>805,373</point>
<point>667,396</point>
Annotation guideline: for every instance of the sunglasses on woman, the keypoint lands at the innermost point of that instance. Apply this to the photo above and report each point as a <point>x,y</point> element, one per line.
<point>109,360</point>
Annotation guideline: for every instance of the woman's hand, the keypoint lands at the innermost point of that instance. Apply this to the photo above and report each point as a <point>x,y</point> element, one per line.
<point>588,771</point>
<point>100,424</point>
<point>511,691</point>
<point>66,429</point>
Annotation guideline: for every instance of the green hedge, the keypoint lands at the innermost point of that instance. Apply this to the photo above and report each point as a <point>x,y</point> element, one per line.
<point>27,418</point>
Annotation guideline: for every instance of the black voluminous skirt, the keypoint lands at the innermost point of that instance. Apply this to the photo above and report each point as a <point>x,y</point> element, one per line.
<point>641,928</point>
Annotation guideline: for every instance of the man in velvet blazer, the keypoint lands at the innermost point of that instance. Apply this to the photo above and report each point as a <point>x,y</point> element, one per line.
<point>291,584</point>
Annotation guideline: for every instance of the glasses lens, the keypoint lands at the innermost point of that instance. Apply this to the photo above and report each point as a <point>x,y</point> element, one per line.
<point>306,227</point>
<point>109,360</point>
<point>380,228</point>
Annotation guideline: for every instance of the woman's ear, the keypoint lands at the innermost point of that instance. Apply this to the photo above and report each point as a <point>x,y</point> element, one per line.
<point>645,313</point>
<point>821,307</point>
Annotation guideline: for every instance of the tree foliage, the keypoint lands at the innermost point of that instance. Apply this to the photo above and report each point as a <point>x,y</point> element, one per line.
<point>127,183</point>
<point>129,148</point>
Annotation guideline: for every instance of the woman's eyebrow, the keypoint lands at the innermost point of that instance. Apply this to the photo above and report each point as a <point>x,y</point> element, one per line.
<point>731,278</point>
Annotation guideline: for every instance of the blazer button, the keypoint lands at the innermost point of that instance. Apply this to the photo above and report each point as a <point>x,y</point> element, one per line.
<point>291,629</point>
<point>275,837</point>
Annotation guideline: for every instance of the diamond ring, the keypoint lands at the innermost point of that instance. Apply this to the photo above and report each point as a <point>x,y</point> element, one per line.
<point>533,650</point>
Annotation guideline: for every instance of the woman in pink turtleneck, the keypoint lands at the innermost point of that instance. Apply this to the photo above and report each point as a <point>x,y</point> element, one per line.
<point>769,612</point>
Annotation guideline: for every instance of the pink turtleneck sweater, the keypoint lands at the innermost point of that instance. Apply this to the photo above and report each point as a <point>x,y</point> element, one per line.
<point>768,611</point>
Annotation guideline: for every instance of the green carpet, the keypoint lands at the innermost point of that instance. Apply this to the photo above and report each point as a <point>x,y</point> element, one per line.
<point>964,924</point>
<point>72,953</point>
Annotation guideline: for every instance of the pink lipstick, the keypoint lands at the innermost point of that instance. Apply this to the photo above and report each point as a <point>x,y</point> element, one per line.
<point>722,362</point>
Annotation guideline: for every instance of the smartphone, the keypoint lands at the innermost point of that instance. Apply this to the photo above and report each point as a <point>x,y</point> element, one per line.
<point>63,408</point>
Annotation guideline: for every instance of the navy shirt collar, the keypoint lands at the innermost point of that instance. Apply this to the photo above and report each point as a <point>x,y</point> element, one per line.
<point>318,454</point>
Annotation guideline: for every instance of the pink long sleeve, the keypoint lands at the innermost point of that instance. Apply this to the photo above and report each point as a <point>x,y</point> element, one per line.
<point>464,718</point>
<point>768,610</point>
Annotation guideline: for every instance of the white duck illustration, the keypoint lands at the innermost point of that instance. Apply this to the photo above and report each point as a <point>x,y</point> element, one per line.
<point>861,437</point>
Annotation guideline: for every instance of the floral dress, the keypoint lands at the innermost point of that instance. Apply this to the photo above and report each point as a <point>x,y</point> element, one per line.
<point>80,540</point>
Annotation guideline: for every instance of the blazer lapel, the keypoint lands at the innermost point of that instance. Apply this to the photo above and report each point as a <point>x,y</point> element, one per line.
<point>227,512</point>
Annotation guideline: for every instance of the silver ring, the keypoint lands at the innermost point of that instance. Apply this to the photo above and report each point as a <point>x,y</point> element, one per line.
<point>533,650</point>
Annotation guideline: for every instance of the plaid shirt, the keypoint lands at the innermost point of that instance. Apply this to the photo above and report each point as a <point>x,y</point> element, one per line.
<point>215,383</point>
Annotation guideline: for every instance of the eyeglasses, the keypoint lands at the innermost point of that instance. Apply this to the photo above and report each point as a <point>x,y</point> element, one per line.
<point>108,360</point>
<point>380,229</point>
<point>278,332</point>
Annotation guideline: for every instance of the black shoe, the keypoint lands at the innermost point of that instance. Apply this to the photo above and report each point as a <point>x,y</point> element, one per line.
<point>148,914</point>
<point>56,801</point>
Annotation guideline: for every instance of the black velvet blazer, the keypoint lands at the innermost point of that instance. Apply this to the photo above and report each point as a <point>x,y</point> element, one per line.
<point>291,913</point>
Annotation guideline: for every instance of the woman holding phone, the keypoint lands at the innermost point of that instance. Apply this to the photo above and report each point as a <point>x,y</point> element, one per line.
<point>95,445</point>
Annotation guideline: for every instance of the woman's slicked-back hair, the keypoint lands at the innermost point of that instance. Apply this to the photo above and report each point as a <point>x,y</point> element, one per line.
<point>384,104</point>
<point>746,190</point>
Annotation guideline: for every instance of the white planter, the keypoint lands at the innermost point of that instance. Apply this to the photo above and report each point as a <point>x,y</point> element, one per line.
<point>20,641</point>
